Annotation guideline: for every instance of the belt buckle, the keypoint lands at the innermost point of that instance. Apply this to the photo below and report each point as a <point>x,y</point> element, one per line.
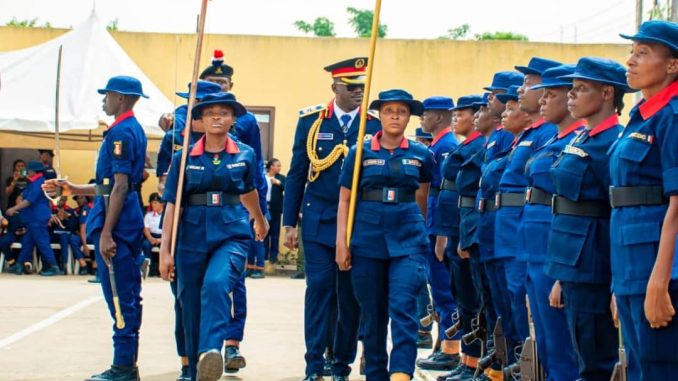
<point>389,196</point>
<point>214,199</point>
<point>459,202</point>
<point>497,200</point>
<point>528,195</point>
<point>611,195</point>
<point>553,204</point>
<point>481,205</point>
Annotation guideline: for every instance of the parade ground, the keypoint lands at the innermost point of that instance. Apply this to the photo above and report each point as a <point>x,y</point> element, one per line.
<point>58,329</point>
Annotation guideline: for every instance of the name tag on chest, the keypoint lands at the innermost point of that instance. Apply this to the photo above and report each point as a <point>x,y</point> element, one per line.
<point>641,137</point>
<point>491,144</point>
<point>195,167</point>
<point>369,162</point>
<point>572,150</point>
<point>236,165</point>
<point>525,144</point>
<point>325,136</point>
<point>414,162</point>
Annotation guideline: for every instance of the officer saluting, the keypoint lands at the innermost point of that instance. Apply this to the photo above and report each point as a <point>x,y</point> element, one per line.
<point>322,139</point>
<point>115,222</point>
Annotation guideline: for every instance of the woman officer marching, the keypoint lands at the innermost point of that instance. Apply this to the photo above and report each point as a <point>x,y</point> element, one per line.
<point>389,241</point>
<point>644,198</point>
<point>578,255</point>
<point>214,234</point>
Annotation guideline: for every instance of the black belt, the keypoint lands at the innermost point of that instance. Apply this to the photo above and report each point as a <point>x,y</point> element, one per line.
<point>509,199</point>
<point>106,189</point>
<point>466,202</point>
<point>389,195</point>
<point>636,196</point>
<point>448,185</point>
<point>537,196</point>
<point>487,205</point>
<point>213,199</point>
<point>433,192</point>
<point>594,209</point>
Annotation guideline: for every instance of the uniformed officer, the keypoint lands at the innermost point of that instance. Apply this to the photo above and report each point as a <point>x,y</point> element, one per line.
<point>82,212</point>
<point>447,220</point>
<point>643,192</point>
<point>422,137</point>
<point>219,177</point>
<point>322,138</point>
<point>390,240</point>
<point>511,196</point>
<point>47,158</point>
<point>579,246</point>
<point>554,345</point>
<point>64,231</point>
<point>437,120</point>
<point>35,211</point>
<point>115,223</point>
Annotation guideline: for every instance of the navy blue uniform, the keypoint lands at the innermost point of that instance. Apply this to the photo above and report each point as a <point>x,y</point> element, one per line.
<point>325,285</point>
<point>207,273</point>
<point>579,247</point>
<point>36,217</point>
<point>67,236</point>
<point>388,248</point>
<point>645,155</point>
<point>556,353</point>
<point>123,151</point>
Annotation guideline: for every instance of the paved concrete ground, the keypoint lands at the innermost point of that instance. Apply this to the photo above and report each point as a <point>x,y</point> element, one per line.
<point>59,329</point>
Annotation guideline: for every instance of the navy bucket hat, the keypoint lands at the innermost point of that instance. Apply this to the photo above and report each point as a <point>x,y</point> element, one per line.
<point>601,70</point>
<point>398,95</point>
<point>124,85</point>
<point>204,88</point>
<point>226,99</point>
<point>553,77</point>
<point>662,32</point>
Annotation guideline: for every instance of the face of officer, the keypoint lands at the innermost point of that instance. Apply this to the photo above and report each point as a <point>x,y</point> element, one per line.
<point>554,104</point>
<point>217,119</point>
<point>226,83</point>
<point>651,66</point>
<point>115,103</point>
<point>529,99</point>
<point>394,117</point>
<point>348,96</point>
<point>513,118</point>
<point>484,120</point>
<point>464,121</point>
<point>586,98</point>
<point>496,107</point>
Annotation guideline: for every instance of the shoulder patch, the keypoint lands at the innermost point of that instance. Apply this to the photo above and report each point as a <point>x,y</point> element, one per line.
<point>311,109</point>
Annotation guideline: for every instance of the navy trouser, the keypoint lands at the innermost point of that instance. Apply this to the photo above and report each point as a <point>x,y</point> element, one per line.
<point>6,242</point>
<point>37,235</point>
<point>255,255</point>
<point>554,344</point>
<point>272,241</point>
<point>465,294</point>
<point>595,339</point>
<point>387,289</point>
<point>423,301</point>
<point>516,272</point>
<point>66,240</point>
<point>147,248</point>
<point>441,289</point>
<point>206,280</point>
<point>326,287</point>
<point>179,336</point>
<point>482,287</point>
<point>236,329</point>
<point>652,353</point>
<point>128,282</point>
<point>496,275</point>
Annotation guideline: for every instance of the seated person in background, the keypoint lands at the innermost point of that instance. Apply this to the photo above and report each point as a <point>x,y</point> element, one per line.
<point>16,183</point>
<point>64,231</point>
<point>11,231</point>
<point>152,230</point>
<point>82,212</point>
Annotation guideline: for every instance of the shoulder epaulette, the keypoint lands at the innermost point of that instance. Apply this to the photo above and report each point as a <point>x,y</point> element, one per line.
<point>373,113</point>
<point>311,110</point>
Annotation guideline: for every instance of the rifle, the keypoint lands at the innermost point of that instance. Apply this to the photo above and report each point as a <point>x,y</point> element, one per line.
<point>498,354</point>
<point>529,367</point>
<point>455,328</point>
<point>620,368</point>
<point>430,318</point>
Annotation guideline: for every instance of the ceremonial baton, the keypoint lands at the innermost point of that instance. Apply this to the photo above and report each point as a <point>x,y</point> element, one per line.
<point>363,120</point>
<point>57,137</point>
<point>119,319</point>
<point>187,127</point>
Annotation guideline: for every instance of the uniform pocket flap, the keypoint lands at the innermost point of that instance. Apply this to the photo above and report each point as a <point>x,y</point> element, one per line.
<point>634,150</point>
<point>368,217</point>
<point>641,233</point>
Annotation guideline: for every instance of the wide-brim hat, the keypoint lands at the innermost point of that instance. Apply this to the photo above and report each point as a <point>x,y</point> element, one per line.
<point>537,66</point>
<point>441,103</point>
<point>510,95</point>
<point>503,79</point>
<point>125,85</point>
<point>468,101</point>
<point>398,95</point>
<point>601,70</point>
<point>662,32</point>
<point>204,88</point>
<point>483,100</point>
<point>553,77</point>
<point>35,166</point>
<point>226,99</point>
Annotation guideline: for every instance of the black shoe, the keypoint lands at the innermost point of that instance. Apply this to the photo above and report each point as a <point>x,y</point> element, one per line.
<point>339,378</point>
<point>16,269</point>
<point>83,271</point>
<point>439,361</point>
<point>185,374</point>
<point>466,373</point>
<point>298,275</point>
<point>51,271</point>
<point>454,372</point>
<point>424,340</point>
<point>327,367</point>
<point>96,279</point>
<point>257,274</point>
<point>233,360</point>
<point>117,373</point>
<point>210,366</point>
<point>314,377</point>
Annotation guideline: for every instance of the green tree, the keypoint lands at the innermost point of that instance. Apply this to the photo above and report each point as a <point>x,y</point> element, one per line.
<point>22,23</point>
<point>361,21</point>
<point>458,33</point>
<point>500,36</point>
<point>113,25</point>
<point>321,27</point>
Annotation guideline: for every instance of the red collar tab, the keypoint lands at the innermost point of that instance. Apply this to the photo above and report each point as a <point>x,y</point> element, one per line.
<point>605,125</point>
<point>330,110</point>
<point>501,127</point>
<point>657,102</point>
<point>571,128</point>
<point>35,177</point>
<point>199,147</point>
<point>440,134</point>
<point>122,117</point>
<point>536,124</point>
<point>375,145</point>
<point>475,135</point>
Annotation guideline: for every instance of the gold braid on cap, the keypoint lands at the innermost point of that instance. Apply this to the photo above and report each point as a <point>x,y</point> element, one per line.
<point>317,164</point>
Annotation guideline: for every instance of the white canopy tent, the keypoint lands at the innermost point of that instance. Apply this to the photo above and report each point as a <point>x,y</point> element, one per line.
<point>90,57</point>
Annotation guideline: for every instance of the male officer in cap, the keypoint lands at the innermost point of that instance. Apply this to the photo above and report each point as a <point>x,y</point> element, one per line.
<point>323,137</point>
<point>115,222</point>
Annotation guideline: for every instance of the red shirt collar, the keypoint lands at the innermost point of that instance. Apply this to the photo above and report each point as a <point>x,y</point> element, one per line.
<point>572,127</point>
<point>605,125</point>
<point>122,117</point>
<point>658,101</point>
<point>536,124</point>
<point>475,135</point>
<point>440,134</point>
<point>35,177</point>
<point>199,147</point>
<point>499,128</point>
<point>375,145</point>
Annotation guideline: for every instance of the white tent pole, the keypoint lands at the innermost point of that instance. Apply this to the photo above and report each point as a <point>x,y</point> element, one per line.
<point>57,139</point>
